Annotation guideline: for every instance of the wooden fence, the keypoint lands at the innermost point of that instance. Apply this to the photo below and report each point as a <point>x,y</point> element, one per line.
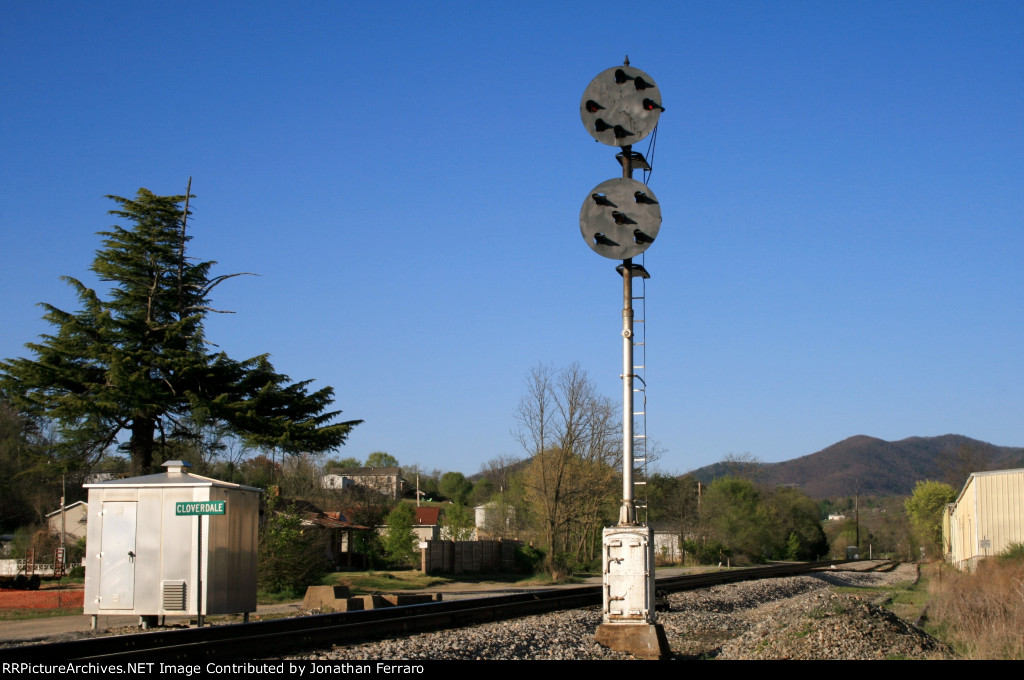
<point>469,557</point>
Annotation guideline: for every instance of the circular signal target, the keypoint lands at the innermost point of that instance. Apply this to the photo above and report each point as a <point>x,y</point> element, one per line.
<point>620,218</point>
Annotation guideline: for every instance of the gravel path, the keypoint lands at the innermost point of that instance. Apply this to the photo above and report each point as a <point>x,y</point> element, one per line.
<point>798,617</point>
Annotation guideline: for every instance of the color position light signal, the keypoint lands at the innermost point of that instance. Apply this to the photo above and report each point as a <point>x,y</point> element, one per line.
<point>621,106</point>
<point>620,218</point>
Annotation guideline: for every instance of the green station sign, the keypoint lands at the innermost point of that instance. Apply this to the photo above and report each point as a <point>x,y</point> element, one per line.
<point>201,508</point>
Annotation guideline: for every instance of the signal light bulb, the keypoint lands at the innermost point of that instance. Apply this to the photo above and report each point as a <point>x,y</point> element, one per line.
<point>641,237</point>
<point>621,132</point>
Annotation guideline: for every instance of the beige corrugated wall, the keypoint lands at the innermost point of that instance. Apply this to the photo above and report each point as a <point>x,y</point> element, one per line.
<point>987,517</point>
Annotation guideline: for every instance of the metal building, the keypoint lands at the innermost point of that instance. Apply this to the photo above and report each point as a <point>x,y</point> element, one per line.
<point>173,543</point>
<point>985,518</point>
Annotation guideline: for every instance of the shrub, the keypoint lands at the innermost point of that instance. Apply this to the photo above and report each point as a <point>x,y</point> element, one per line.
<point>1013,553</point>
<point>707,552</point>
<point>291,557</point>
<point>529,558</point>
<point>369,545</point>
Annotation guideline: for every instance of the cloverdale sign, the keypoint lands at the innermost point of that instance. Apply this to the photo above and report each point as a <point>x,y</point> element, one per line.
<point>200,508</point>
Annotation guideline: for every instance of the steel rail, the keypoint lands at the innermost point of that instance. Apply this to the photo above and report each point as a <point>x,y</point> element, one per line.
<point>270,639</point>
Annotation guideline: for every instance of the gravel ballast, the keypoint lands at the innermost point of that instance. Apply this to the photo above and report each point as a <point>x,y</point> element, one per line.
<point>798,617</point>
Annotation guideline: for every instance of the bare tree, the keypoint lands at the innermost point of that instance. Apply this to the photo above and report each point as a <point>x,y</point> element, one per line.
<point>571,434</point>
<point>958,465</point>
<point>499,470</point>
<point>742,465</point>
<point>301,476</point>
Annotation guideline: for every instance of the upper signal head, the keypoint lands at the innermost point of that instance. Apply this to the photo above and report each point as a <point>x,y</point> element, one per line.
<point>621,106</point>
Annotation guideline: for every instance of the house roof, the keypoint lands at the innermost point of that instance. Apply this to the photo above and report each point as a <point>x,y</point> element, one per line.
<point>176,475</point>
<point>311,514</point>
<point>986,473</point>
<point>366,471</point>
<point>427,516</point>
<point>330,522</point>
<point>66,508</point>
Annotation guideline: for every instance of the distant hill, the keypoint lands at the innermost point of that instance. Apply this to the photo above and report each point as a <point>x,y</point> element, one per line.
<point>874,467</point>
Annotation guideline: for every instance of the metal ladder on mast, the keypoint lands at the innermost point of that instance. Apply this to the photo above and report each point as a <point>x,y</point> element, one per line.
<point>640,450</point>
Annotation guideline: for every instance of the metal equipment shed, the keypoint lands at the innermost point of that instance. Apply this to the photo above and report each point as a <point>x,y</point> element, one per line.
<point>985,518</point>
<point>143,551</point>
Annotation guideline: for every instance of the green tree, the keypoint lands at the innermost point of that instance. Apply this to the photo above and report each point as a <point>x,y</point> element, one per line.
<point>924,508</point>
<point>342,463</point>
<point>673,501</point>
<point>738,517</point>
<point>457,524</point>
<point>795,515</point>
<point>762,524</point>
<point>399,541</point>
<point>290,557</point>
<point>259,471</point>
<point>22,461</point>
<point>483,490</point>
<point>793,546</point>
<point>456,487</point>
<point>427,480</point>
<point>381,459</point>
<point>137,361</point>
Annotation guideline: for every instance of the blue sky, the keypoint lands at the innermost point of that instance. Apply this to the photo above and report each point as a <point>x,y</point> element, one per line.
<point>842,185</point>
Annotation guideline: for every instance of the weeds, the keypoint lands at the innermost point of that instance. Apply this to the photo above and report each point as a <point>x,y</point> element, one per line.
<point>982,614</point>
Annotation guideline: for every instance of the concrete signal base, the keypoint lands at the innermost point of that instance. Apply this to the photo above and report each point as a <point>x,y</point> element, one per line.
<point>642,640</point>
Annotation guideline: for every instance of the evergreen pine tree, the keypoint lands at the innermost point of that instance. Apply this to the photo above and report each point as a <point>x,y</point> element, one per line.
<point>138,361</point>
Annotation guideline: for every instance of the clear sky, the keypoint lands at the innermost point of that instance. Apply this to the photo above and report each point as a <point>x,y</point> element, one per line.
<point>842,185</point>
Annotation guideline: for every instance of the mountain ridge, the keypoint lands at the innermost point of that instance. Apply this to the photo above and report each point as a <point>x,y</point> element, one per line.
<point>875,467</point>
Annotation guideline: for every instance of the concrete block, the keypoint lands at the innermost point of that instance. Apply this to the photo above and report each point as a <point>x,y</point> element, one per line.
<point>645,641</point>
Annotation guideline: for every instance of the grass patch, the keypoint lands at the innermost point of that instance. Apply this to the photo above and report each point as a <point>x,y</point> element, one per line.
<point>265,597</point>
<point>906,600</point>
<point>362,583</point>
<point>365,582</point>
<point>802,631</point>
<point>406,580</point>
<point>27,614</point>
<point>543,579</point>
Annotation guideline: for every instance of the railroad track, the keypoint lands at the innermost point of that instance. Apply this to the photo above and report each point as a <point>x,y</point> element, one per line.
<point>269,639</point>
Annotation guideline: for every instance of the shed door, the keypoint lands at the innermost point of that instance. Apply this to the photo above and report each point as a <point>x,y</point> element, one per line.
<point>117,556</point>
